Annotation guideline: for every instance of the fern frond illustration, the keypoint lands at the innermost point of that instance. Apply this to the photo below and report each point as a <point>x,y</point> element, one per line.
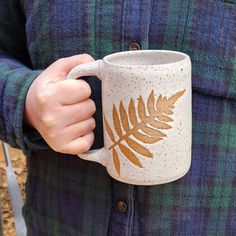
<point>142,124</point>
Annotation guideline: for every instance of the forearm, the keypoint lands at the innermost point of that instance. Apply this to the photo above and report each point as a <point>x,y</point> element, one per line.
<point>15,80</point>
<point>16,74</point>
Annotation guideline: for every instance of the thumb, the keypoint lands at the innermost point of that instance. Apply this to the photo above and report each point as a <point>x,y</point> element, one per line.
<point>62,66</point>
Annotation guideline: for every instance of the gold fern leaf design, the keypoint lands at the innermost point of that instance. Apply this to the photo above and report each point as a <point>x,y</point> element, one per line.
<point>138,148</point>
<point>132,113</point>
<point>109,130</point>
<point>116,121</point>
<point>124,117</point>
<point>145,138</point>
<point>153,117</point>
<point>164,118</point>
<point>130,155</point>
<point>141,109</point>
<point>116,160</point>
<point>151,103</point>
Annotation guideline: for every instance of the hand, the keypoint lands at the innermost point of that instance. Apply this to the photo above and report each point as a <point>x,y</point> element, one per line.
<point>60,109</point>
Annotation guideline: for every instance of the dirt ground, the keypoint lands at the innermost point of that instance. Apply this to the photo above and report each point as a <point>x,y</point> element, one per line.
<point>19,164</point>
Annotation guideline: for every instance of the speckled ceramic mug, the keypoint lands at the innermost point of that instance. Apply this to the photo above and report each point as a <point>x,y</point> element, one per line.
<point>147,117</point>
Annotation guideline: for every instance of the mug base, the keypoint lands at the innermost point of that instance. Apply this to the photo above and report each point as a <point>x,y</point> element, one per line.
<point>150,182</point>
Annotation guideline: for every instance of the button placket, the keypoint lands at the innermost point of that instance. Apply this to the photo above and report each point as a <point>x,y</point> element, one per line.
<point>122,213</point>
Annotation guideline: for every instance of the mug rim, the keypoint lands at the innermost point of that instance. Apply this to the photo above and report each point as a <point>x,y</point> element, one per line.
<point>107,58</point>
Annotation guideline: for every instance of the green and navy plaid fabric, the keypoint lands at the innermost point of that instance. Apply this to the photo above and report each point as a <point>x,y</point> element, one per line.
<point>70,196</point>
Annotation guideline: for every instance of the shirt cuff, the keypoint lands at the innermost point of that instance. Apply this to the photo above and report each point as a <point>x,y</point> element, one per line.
<point>25,138</point>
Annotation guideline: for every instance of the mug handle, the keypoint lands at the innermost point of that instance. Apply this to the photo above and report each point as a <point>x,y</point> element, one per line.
<point>90,69</point>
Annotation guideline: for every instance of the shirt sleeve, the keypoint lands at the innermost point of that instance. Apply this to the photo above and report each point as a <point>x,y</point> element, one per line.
<point>16,75</point>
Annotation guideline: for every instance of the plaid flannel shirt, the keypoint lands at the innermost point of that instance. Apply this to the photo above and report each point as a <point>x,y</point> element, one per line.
<point>70,196</point>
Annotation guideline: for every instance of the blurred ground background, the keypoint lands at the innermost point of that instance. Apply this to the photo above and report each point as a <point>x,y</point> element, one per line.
<point>19,164</point>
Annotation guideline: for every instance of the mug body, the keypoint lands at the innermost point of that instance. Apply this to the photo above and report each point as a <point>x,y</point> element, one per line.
<point>147,101</point>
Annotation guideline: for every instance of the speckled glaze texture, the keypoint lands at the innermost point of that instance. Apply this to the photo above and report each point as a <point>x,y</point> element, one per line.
<point>154,80</point>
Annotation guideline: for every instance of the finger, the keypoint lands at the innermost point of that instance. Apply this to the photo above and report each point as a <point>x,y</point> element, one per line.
<point>79,129</point>
<point>80,145</point>
<point>72,91</point>
<point>66,116</point>
<point>79,112</point>
<point>64,65</point>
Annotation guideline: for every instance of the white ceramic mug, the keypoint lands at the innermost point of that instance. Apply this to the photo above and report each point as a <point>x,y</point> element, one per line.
<point>147,117</point>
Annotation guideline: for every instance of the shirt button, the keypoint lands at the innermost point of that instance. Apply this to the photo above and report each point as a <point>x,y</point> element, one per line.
<point>122,207</point>
<point>134,46</point>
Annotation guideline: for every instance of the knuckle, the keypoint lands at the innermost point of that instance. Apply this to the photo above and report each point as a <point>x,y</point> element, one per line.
<point>85,88</point>
<point>93,123</point>
<point>88,141</point>
<point>51,135</point>
<point>88,126</point>
<point>63,147</point>
<point>48,121</point>
<point>60,60</point>
<point>84,148</point>
<point>87,57</point>
<point>44,97</point>
<point>92,106</point>
<point>67,149</point>
<point>85,143</point>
